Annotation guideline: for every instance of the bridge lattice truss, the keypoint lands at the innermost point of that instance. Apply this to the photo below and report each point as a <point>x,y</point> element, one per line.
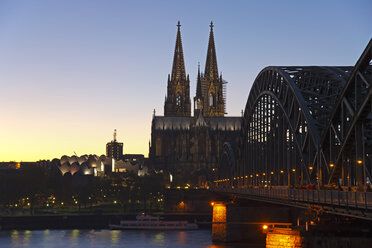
<point>307,125</point>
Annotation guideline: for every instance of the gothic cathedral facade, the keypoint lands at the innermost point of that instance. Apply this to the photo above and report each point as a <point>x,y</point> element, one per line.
<point>191,147</point>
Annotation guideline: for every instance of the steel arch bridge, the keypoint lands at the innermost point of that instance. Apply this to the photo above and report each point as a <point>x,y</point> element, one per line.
<point>307,125</point>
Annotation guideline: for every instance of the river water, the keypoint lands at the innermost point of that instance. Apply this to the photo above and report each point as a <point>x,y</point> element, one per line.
<point>109,238</point>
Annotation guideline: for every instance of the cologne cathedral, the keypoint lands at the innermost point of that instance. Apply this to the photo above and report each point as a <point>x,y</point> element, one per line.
<point>190,147</point>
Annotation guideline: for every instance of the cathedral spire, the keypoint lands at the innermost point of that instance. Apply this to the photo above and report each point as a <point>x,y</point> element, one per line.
<point>198,99</point>
<point>198,84</point>
<point>178,70</point>
<point>178,102</point>
<point>211,70</point>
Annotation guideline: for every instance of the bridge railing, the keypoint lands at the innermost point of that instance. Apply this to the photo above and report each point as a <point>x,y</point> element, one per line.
<point>348,199</point>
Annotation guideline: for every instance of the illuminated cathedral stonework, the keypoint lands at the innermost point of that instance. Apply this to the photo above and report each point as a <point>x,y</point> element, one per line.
<point>188,146</point>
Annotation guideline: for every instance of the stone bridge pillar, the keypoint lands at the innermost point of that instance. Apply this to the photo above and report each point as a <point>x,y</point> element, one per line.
<point>231,225</point>
<point>239,222</point>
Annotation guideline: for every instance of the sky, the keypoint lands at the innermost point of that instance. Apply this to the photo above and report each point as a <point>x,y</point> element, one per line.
<point>73,71</point>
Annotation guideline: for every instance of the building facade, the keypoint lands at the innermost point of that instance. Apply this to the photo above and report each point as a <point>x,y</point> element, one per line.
<point>190,147</point>
<point>114,149</point>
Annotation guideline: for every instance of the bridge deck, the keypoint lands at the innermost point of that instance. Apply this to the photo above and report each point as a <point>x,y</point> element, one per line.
<point>355,204</point>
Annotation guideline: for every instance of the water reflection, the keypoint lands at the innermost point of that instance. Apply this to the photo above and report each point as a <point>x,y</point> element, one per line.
<point>75,234</point>
<point>158,238</point>
<point>107,238</point>
<point>27,235</point>
<point>74,237</point>
<point>182,237</point>
<point>15,238</point>
<point>115,236</point>
<point>15,234</point>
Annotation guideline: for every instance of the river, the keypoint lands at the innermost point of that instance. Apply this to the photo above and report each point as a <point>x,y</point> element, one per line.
<point>109,238</point>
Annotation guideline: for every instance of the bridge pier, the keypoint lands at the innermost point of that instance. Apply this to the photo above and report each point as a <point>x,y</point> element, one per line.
<point>284,237</point>
<point>320,236</point>
<point>228,226</point>
<point>244,221</point>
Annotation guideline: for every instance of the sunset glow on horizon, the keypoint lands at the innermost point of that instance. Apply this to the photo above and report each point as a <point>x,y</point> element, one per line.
<point>73,71</point>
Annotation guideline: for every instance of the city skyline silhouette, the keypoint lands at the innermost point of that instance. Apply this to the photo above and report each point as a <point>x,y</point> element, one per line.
<point>73,72</point>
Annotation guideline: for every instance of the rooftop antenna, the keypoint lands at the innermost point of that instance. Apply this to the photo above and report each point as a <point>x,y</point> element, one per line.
<point>114,134</point>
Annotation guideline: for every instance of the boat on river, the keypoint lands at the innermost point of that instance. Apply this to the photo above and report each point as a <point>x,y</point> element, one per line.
<point>148,222</point>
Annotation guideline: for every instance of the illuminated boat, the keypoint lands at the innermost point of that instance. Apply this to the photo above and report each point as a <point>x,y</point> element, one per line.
<point>148,222</point>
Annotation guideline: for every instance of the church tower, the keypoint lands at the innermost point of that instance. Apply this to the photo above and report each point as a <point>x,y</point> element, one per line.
<point>210,86</point>
<point>177,101</point>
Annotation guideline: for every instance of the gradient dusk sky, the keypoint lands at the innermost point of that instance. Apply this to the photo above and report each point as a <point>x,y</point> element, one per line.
<point>73,71</point>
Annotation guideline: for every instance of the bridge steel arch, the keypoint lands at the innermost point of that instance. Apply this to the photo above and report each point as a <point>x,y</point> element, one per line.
<point>345,154</point>
<point>286,111</point>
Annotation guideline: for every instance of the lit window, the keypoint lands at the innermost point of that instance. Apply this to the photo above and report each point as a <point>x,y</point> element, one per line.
<point>178,100</point>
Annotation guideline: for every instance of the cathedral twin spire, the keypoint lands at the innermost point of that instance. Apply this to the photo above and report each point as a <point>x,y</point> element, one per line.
<point>209,92</point>
<point>211,70</point>
<point>178,70</point>
<point>177,101</point>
